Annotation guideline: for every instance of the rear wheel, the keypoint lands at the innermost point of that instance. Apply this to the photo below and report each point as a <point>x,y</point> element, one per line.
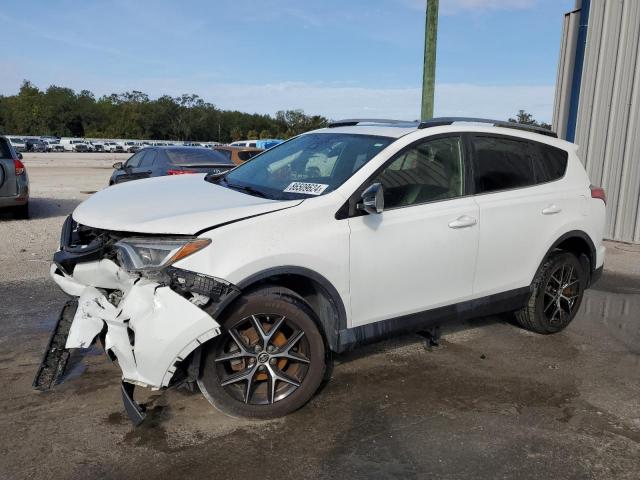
<point>270,358</point>
<point>557,293</point>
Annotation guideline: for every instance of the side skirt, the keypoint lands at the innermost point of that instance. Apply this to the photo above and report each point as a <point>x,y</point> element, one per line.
<point>350,338</point>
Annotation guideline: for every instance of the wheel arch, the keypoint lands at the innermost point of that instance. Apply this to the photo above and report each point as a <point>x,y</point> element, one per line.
<point>314,288</point>
<point>579,243</point>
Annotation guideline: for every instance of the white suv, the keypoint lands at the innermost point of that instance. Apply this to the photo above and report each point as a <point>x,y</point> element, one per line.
<point>246,282</point>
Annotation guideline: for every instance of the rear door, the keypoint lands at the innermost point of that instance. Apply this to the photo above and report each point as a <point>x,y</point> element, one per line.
<point>522,207</point>
<point>147,165</point>
<point>8,185</point>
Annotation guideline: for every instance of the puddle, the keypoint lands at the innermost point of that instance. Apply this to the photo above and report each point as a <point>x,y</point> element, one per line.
<point>616,315</point>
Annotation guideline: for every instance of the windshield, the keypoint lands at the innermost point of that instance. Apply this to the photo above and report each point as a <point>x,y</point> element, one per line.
<point>308,165</point>
<point>196,156</point>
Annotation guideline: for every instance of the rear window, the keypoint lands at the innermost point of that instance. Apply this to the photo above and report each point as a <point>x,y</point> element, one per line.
<point>501,164</point>
<point>549,163</point>
<point>192,156</point>
<point>226,153</point>
<point>244,156</point>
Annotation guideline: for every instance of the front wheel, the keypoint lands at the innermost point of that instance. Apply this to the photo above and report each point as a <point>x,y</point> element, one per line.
<point>269,360</point>
<point>556,295</point>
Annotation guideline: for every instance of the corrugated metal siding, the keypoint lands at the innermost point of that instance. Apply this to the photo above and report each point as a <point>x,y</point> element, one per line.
<point>565,72</point>
<point>608,123</point>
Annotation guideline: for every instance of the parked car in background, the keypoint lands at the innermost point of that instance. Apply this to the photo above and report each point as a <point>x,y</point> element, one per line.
<point>244,143</point>
<point>14,182</point>
<point>237,155</point>
<point>18,143</point>
<point>74,145</point>
<point>113,147</point>
<point>95,146</point>
<point>35,145</point>
<point>160,161</point>
<point>131,146</point>
<point>267,143</point>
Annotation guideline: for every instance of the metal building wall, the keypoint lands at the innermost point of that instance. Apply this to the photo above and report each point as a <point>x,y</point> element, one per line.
<point>608,117</point>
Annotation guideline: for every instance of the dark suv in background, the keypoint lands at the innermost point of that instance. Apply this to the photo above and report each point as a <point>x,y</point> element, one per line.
<point>35,145</point>
<point>14,183</point>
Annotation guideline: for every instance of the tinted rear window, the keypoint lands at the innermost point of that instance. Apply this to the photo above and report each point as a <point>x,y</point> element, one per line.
<point>226,153</point>
<point>549,163</point>
<point>501,164</point>
<point>244,156</point>
<point>193,156</point>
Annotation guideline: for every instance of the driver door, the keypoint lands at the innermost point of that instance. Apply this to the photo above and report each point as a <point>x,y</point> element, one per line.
<point>420,252</point>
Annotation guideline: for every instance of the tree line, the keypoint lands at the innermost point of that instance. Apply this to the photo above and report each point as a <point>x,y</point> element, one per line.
<point>62,112</point>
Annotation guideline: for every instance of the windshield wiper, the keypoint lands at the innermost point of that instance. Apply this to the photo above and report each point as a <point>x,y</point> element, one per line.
<point>244,188</point>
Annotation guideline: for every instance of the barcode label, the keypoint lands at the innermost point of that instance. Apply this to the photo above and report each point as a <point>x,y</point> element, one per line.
<point>308,188</point>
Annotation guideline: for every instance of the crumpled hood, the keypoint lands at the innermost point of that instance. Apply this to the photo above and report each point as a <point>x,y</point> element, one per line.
<point>180,205</point>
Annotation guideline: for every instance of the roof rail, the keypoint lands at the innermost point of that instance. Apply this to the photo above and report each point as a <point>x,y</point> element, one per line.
<point>439,121</point>
<point>350,122</point>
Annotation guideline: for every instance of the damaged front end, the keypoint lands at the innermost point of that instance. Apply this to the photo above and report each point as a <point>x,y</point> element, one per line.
<point>149,315</point>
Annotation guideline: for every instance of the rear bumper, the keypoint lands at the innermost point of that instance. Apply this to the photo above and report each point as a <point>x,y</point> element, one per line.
<point>21,198</point>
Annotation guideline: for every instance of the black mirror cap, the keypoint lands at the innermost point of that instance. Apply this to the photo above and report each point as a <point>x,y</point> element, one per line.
<point>118,165</point>
<point>19,156</point>
<point>373,199</point>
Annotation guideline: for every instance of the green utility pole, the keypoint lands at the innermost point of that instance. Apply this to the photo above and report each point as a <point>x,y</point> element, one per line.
<point>429,75</point>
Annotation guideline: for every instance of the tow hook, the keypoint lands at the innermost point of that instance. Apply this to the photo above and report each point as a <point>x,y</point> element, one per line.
<point>135,411</point>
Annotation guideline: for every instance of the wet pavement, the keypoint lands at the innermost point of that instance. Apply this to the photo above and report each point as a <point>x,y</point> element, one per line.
<point>493,401</point>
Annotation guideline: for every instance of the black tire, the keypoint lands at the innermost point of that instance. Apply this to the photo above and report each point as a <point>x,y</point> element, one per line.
<point>267,362</point>
<point>556,295</point>
<point>21,212</point>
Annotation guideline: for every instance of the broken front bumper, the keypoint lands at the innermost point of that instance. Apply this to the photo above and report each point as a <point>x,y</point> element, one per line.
<point>149,330</point>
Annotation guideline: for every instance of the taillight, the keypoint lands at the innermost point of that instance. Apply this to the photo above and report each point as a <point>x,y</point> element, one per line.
<point>597,192</point>
<point>180,172</point>
<point>19,166</point>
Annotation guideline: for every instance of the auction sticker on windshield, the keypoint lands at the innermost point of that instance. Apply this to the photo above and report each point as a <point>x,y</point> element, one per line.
<point>308,188</point>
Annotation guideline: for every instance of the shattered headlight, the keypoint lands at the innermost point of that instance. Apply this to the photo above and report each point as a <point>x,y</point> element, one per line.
<point>153,253</point>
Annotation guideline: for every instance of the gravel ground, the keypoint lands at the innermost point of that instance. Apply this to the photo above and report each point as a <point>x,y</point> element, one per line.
<point>493,401</point>
<point>59,182</point>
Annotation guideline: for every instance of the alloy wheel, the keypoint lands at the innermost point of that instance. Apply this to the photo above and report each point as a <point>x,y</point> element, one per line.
<point>263,360</point>
<point>561,294</point>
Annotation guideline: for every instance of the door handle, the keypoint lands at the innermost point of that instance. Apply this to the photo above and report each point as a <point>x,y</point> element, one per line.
<point>463,222</point>
<point>551,210</point>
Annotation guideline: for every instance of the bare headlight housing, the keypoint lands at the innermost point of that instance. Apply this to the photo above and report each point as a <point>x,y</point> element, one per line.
<point>155,253</point>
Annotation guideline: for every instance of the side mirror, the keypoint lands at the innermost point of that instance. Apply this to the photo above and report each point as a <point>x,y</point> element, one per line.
<point>372,199</point>
<point>118,165</point>
<point>19,156</point>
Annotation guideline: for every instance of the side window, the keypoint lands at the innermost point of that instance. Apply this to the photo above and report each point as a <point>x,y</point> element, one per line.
<point>501,164</point>
<point>549,163</point>
<point>134,161</point>
<point>5,151</point>
<point>429,171</point>
<point>148,159</point>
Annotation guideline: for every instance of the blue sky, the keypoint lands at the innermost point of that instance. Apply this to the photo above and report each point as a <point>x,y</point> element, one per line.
<point>338,58</point>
